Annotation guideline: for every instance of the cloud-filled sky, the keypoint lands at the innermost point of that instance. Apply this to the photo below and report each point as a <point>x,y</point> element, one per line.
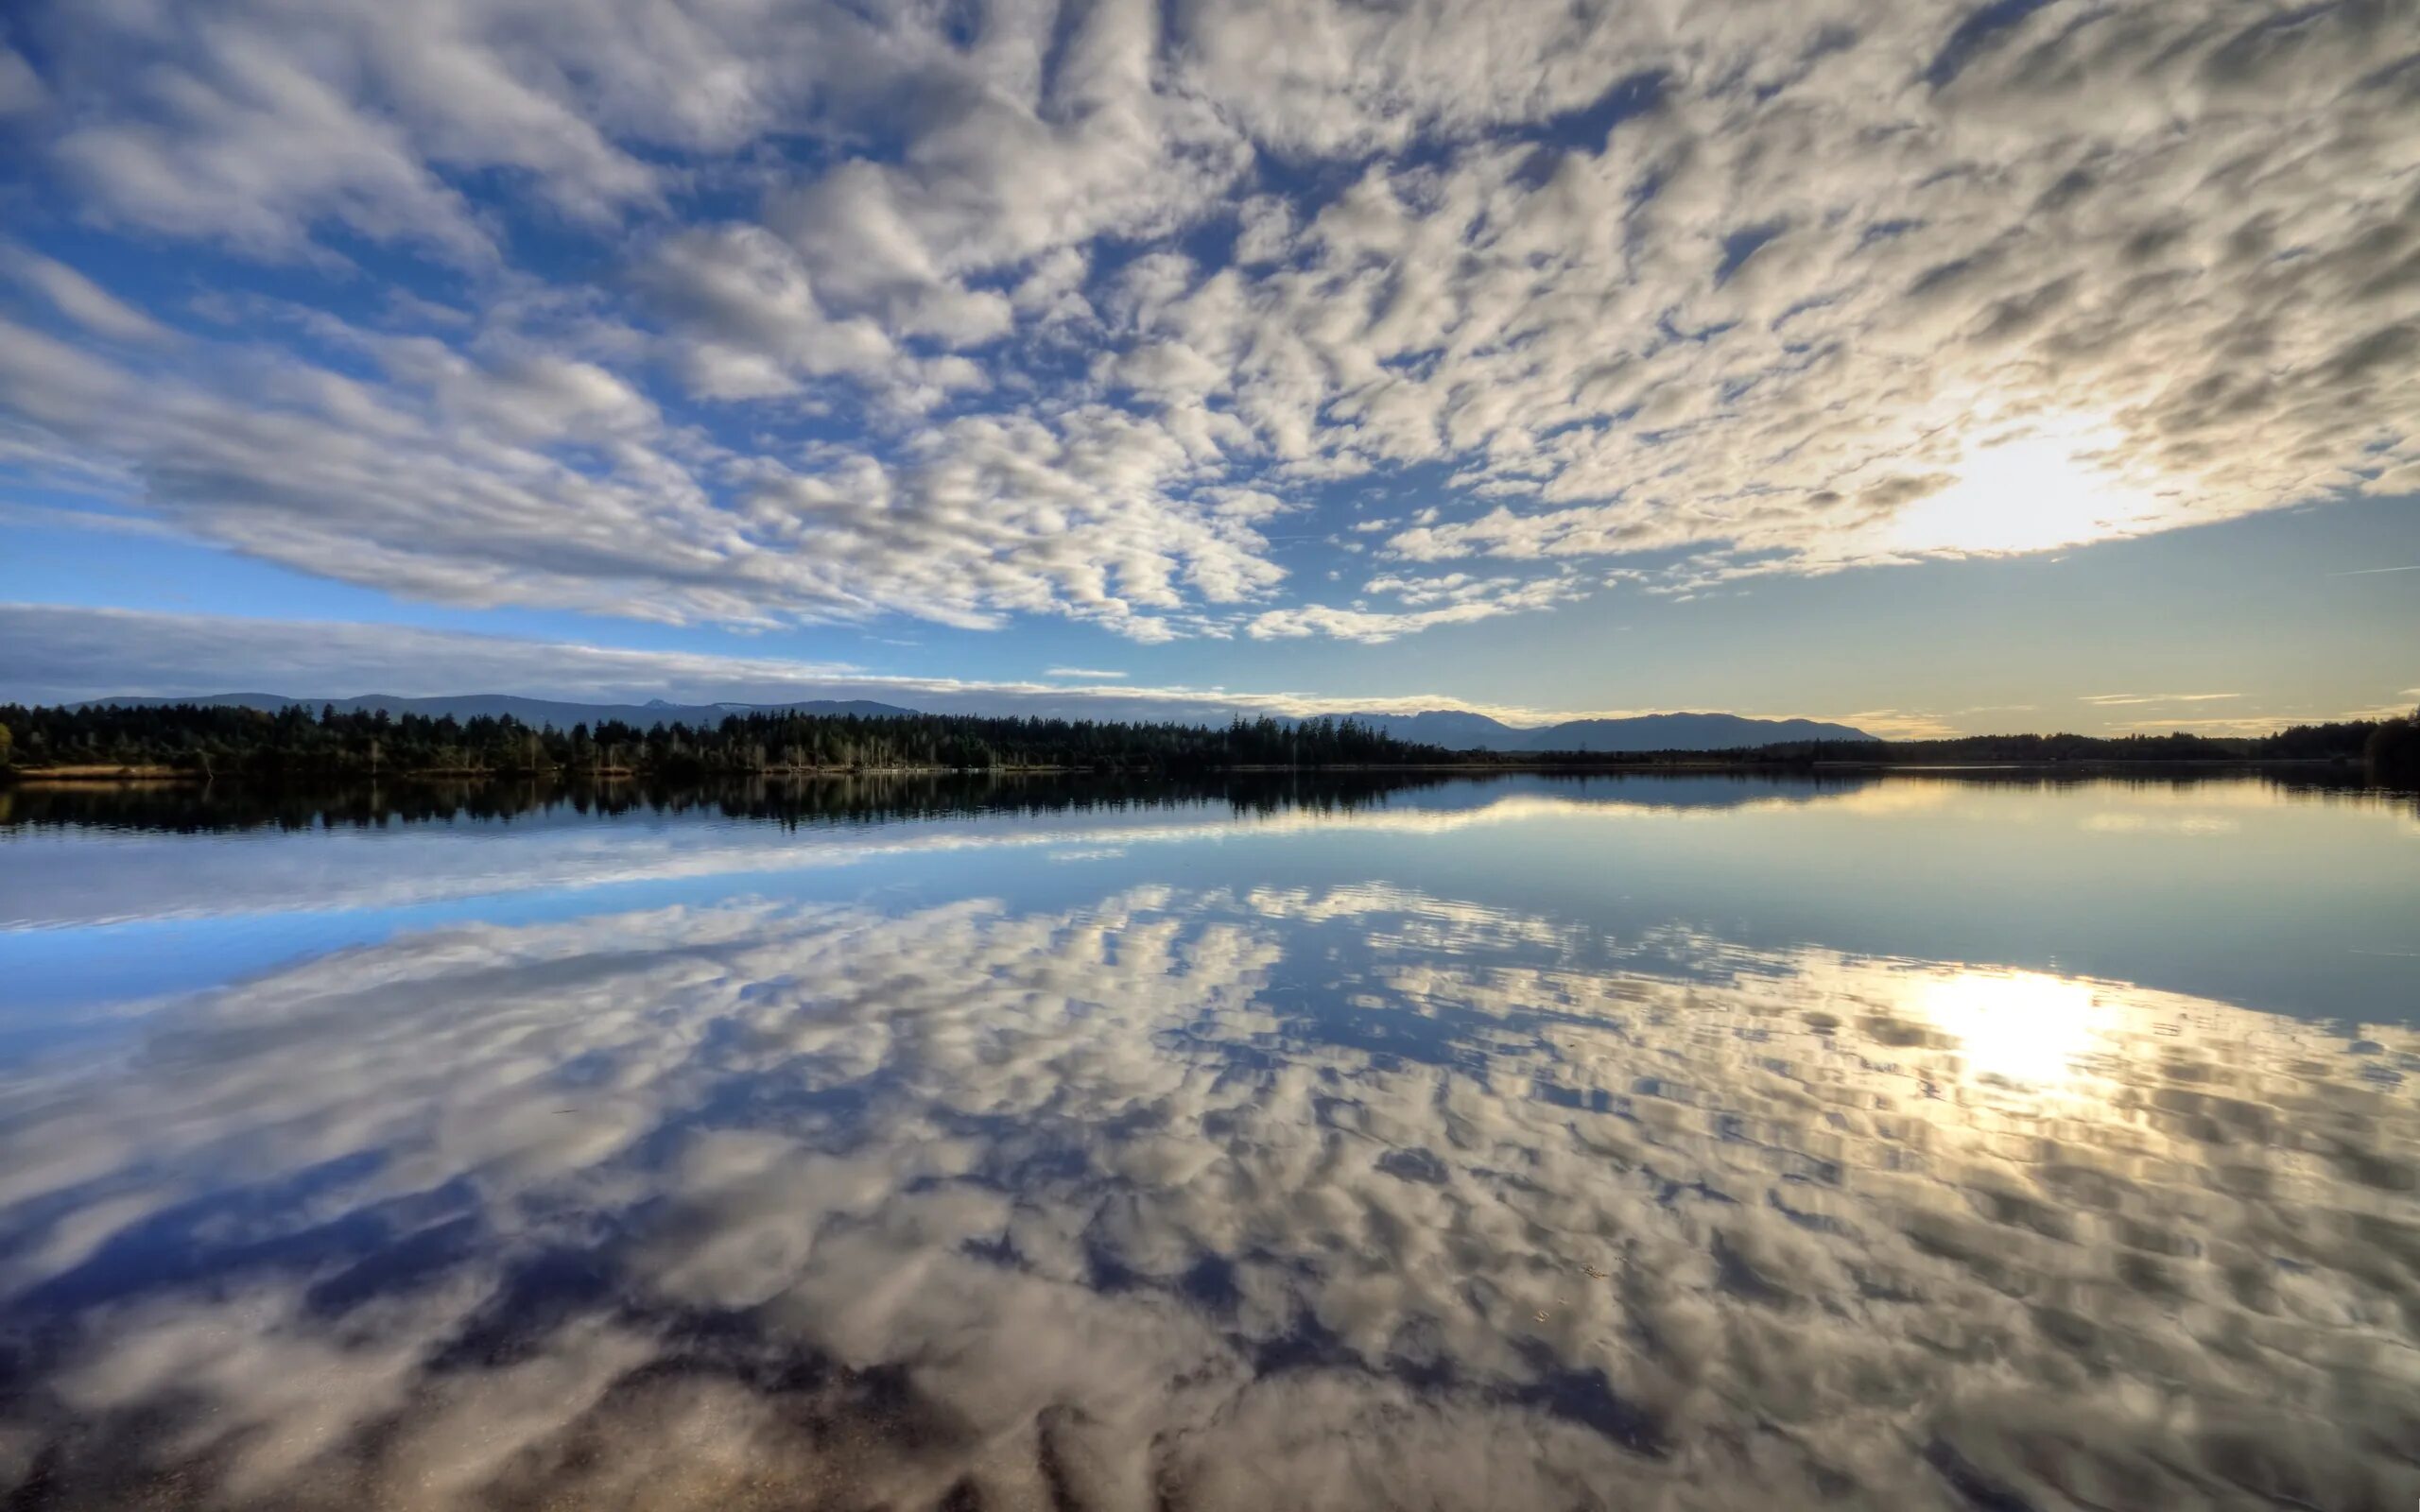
<point>1951,367</point>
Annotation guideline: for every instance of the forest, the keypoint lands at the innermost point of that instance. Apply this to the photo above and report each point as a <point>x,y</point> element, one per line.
<point>297,745</point>
<point>2341,741</point>
<point>294,743</point>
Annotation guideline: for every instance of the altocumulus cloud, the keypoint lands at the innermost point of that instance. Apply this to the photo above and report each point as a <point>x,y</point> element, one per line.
<point>786,313</point>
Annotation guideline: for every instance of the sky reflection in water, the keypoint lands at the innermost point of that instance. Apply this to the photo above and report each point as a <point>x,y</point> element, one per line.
<point>1497,1146</point>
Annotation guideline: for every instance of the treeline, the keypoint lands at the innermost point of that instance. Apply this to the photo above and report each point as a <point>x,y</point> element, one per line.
<point>2386,746</point>
<point>2356,740</point>
<point>296,744</point>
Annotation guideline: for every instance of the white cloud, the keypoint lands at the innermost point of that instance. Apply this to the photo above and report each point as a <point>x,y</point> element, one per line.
<point>1456,599</point>
<point>537,479</point>
<point>80,299</point>
<point>751,327</point>
<point>2107,701</point>
<point>20,88</point>
<point>1783,290</point>
<point>61,653</point>
<point>2238,724</point>
<point>1905,724</point>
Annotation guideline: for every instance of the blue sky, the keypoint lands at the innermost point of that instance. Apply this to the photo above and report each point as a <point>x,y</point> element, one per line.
<point>2025,368</point>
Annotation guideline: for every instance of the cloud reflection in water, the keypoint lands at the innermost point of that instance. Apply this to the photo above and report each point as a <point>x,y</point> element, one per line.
<point>1340,1196</point>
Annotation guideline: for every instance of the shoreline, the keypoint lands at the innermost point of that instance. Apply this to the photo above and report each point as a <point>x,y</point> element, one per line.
<point>103,775</point>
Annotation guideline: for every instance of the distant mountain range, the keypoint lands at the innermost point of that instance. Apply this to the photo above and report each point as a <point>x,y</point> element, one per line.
<point>1452,729</point>
<point>1460,730</point>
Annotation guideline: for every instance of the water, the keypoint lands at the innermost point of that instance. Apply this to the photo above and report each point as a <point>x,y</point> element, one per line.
<point>1642,1142</point>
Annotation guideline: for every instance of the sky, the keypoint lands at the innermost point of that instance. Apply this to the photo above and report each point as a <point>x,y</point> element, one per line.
<point>1937,368</point>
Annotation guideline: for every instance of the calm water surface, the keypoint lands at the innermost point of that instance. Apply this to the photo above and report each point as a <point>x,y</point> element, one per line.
<point>1645,1143</point>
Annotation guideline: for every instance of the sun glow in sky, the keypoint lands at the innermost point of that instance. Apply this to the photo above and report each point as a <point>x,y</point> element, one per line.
<point>1552,359</point>
<point>2032,486</point>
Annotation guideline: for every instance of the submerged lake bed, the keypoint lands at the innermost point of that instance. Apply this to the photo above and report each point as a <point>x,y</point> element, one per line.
<point>1679,1141</point>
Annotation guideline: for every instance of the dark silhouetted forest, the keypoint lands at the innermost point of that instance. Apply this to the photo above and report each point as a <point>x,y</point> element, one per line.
<point>2346,740</point>
<point>297,746</point>
<point>2393,750</point>
<point>294,743</point>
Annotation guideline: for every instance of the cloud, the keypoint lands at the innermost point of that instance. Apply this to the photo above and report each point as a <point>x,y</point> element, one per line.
<point>1092,1201</point>
<point>249,128</point>
<point>518,474</point>
<point>2236,724</point>
<point>2108,700</point>
<point>2239,725</point>
<point>20,88</point>
<point>67,654</point>
<point>752,326</point>
<point>1905,724</point>
<point>1456,599</point>
<point>80,299</point>
<point>1050,314</point>
<point>1101,673</point>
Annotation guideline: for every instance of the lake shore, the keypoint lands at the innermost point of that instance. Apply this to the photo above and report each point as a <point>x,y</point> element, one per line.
<point>1611,765</point>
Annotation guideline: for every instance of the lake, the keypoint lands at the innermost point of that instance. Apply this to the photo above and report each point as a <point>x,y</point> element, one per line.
<point>1694,1142</point>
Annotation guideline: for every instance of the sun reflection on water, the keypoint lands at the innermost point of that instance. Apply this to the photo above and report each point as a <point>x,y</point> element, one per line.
<point>2019,1026</point>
